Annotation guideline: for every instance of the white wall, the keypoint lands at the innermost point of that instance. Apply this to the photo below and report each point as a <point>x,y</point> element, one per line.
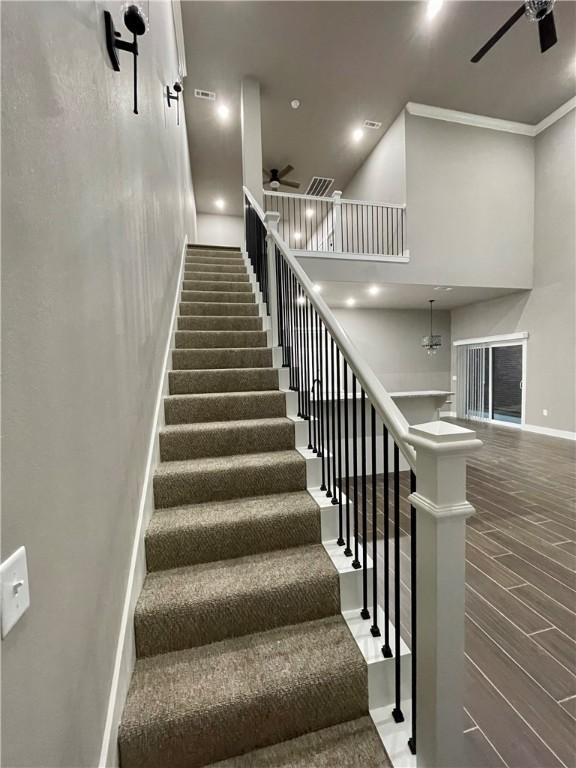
<point>95,205</point>
<point>389,339</point>
<point>382,176</point>
<point>216,229</point>
<point>548,311</point>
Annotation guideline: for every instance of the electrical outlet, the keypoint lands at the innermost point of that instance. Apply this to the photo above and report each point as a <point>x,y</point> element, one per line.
<point>544,411</point>
<point>15,589</point>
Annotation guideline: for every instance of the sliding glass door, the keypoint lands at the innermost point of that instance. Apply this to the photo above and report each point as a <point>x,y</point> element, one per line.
<point>490,376</point>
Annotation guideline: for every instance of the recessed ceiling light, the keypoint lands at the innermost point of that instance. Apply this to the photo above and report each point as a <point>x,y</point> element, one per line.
<point>297,236</point>
<point>301,300</point>
<point>350,302</point>
<point>357,134</point>
<point>433,7</point>
<point>442,288</point>
<point>295,103</point>
<point>318,288</point>
<point>373,290</point>
<point>223,112</point>
<point>309,213</point>
<point>219,203</point>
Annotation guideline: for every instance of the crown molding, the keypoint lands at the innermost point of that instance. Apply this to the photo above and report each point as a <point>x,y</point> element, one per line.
<point>491,123</point>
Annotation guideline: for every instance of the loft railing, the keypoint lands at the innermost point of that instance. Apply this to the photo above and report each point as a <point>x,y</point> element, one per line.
<point>370,461</point>
<point>336,225</point>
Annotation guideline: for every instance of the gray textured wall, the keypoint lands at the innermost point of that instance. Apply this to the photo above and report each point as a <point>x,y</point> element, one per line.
<point>389,339</point>
<point>548,311</point>
<point>216,229</point>
<point>95,204</point>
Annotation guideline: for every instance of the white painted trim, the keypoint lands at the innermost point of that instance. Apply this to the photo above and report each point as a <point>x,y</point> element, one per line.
<point>468,118</point>
<point>374,204</point>
<point>492,123</point>
<point>179,35</point>
<point>125,649</point>
<point>562,433</point>
<point>303,254</point>
<point>492,339</point>
<point>553,117</point>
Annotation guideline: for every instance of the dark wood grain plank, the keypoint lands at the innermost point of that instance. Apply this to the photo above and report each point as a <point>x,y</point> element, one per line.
<point>539,601</point>
<point>541,561</point>
<point>479,753</point>
<point>547,584</point>
<point>484,542</point>
<point>492,568</point>
<point>560,646</point>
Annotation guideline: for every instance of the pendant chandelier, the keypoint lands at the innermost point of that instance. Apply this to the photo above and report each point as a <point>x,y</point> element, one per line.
<point>432,342</point>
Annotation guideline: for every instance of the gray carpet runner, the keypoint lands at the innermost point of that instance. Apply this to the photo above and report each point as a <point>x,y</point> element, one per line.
<point>243,658</point>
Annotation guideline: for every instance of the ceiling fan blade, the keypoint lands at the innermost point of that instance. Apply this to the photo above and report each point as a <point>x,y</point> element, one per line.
<point>501,32</point>
<point>285,171</point>
<point>547,32</point>
<point>293,184</point>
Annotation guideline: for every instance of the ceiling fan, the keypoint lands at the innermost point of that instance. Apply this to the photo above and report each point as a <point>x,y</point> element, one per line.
<point>539,11</point>
<point>277,178</point>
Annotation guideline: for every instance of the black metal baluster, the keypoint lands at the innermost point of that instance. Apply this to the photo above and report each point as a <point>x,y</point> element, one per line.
<point>374,629</point>
<point>386,650</point>
<point>356,561</point>
<point>340,509</point>
<point>327,408</point>
<point>397,711</point>
<point>299,301</point>
<point>413,642</point>
<point>309,373</point>
<point>348,550</point>
<point>365,613</point>
<point>321,405</point>
<point>335,404</point>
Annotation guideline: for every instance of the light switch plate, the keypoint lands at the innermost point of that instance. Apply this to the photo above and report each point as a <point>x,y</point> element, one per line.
<point>15,589</point>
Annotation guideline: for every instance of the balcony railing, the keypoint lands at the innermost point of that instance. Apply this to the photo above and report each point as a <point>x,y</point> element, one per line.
<point>335,225</point>
<point>405,484</point>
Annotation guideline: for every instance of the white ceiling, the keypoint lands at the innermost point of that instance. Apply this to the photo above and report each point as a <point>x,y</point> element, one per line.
<point>348,61</point>
<point>395,296</point>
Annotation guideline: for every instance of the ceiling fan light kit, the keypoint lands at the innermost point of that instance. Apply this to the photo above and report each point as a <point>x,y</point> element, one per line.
<point>276,178</point>
<point>537,11</point>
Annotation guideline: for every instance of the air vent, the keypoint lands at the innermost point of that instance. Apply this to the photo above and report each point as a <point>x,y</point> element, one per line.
<point>373,124</point>
<point>200,94</point>
<point>319,186</point>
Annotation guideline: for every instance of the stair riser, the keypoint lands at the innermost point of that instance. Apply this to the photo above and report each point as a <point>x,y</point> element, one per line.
<point>199,382</point>
<point>226,297</point>
<point>181,446</point>
<point>191,323</point>
<point>193,410</point>
<point>225,286</point>
<point>194,487</point>
<point>175,629</point>
<point>217,309</point>
<point>236,261</point>
<point>220,339</point>
<point>182,546</point>
<point>203,359</point>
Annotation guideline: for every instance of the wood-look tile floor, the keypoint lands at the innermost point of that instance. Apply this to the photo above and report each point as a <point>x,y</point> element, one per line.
<point>520,598</point>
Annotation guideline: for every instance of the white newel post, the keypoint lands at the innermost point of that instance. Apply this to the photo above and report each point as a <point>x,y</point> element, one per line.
<point>271,219</point>
<point>337,221</point>
<point>441,512</point>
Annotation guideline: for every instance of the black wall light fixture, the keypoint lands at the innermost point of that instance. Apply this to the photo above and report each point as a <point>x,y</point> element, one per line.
<point>136,22</point>
<point>174,97</point>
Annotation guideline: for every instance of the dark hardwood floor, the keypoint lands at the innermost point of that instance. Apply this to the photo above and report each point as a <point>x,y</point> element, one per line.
<point>520,598</point>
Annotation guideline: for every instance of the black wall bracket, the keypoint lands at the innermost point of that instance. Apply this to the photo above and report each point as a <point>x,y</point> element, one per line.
<point>114,43</point>
<point>174,97</point>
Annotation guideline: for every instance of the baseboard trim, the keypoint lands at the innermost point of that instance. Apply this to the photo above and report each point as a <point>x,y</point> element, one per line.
<point>562,433</point>
<point>125,649</point>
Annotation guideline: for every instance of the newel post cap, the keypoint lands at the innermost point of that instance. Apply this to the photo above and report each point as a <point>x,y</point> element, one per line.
<point>443,438</point>
<point>271,219</point>
<point>337,194</point>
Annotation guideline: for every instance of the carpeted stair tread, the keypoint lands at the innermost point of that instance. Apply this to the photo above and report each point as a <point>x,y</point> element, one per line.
<point>191,359</point>
<point>221,308</point>
<point>225,438</point>
<point>218,323</point>
<point>205,276</point>
<point>224,406</point>
<point>201,533</point>
<point>189,708</point>
<point>206,603</point>
<point>217,295</point>
<point>222,380</point>
<point>215,258</point>
<point>353,744</point>
<point>177,483</point>
<point>209,266</point>
<point>210,339</point>
<point>225,286</point>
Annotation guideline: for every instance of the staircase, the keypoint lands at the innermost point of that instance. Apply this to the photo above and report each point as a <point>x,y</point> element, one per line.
<point>243,657</point>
